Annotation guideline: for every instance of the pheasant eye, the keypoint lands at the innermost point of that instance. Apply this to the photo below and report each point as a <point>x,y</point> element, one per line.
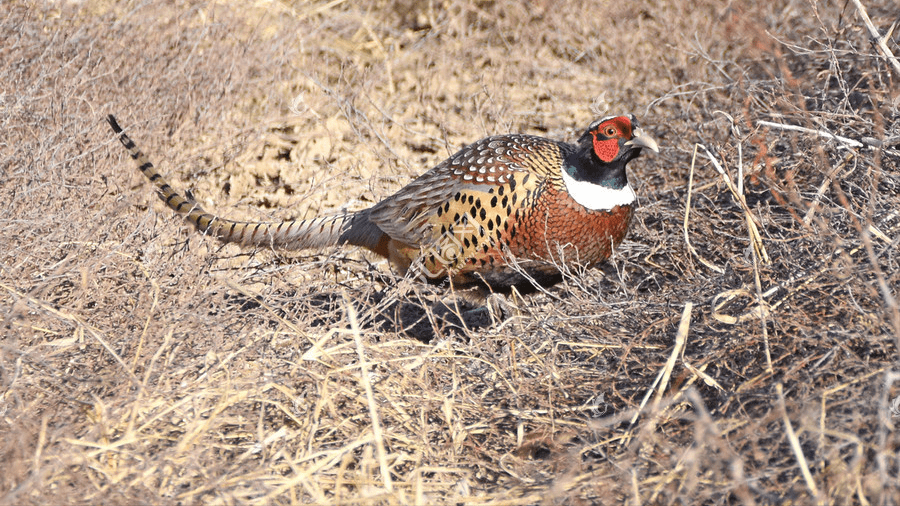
<point>610,131</point>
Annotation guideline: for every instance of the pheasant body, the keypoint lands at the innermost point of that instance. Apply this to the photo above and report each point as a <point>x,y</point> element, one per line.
<point>503,212</point>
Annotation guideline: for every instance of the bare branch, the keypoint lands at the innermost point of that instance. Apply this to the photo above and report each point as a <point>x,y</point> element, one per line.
<point>880,42</point>
<point>820,133</point>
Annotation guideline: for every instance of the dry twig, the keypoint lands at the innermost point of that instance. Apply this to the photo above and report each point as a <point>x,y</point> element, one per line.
<point>821,133</point>
<point>880,42</point>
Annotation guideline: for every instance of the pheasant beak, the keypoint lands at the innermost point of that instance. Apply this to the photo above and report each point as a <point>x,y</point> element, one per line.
<point>642,140</point>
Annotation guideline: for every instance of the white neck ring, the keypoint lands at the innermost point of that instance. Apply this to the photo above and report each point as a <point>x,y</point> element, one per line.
<point>597,197</point>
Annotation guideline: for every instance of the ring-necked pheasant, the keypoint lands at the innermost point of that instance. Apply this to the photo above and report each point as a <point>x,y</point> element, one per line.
<point>500,213</point>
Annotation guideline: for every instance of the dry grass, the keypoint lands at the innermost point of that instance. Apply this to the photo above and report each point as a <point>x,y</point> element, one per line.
<point>142,363</point>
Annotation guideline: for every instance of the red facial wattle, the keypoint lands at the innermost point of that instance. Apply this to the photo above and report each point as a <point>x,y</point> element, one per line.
<point>606,149</point>
<point>607,137</point>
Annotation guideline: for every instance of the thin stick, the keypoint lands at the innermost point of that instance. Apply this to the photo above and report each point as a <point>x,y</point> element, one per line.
<point>795,445</point>
<point>753,222</point>
<point>763,314</point>
<point>370,396</point>
<point>687,214</point>
<point>880,42</point>
<point>891,306</point>
<point>740,158</point>
<point>807,218</point>
<point>820,133</point>
<point>662,379</point>
<point>680,340</point>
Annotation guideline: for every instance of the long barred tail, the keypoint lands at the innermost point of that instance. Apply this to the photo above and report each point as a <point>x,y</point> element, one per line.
<point>298,234</point>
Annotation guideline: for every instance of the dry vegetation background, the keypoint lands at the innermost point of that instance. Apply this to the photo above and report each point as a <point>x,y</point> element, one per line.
<point>143,363</point>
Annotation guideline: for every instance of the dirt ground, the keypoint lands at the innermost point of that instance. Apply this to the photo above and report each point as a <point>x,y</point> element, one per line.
<point>741,347</point>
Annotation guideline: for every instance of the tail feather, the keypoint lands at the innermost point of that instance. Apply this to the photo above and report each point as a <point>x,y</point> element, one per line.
<point>297,234</point>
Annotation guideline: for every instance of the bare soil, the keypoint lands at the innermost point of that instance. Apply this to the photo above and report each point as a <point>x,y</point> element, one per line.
<point>741,347</point>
